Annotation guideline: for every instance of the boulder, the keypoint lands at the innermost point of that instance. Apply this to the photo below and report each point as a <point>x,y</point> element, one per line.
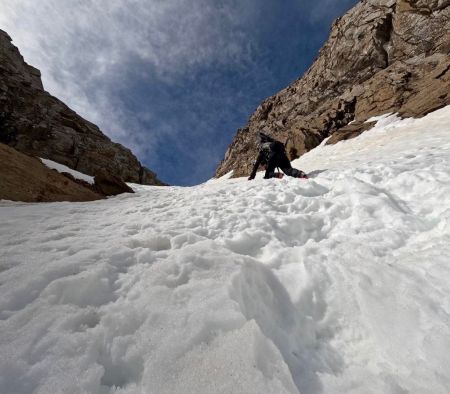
<point>110,185</point>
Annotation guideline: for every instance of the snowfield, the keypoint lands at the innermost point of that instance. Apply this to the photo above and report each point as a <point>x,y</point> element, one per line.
<point>336,284</point>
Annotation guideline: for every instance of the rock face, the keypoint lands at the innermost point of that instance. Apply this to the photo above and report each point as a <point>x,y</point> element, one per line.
<point>25,178</point>
<point>38,124</point>
<point>110,185</point>
<point>382,56</point>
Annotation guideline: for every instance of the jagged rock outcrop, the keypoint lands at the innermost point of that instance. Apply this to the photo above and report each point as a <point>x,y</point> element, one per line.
<point>382,56</point>
<point>38,124</point>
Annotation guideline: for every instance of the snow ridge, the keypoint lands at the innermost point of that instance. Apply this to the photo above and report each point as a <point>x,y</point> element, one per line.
<point>337,284</point>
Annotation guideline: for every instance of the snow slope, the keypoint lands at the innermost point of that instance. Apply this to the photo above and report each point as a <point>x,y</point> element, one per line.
<point>337,284</point>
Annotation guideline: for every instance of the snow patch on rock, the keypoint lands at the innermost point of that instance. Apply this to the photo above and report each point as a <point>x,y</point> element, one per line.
<point>62,168</point>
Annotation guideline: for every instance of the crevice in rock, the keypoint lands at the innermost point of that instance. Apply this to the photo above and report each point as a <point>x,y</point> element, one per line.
<point>383,37</point>
<point>444,4</point>
<point>440,75</point>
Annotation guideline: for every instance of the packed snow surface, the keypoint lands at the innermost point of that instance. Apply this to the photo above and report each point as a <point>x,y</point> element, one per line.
<point>336,284</point>
<point>62,168</point>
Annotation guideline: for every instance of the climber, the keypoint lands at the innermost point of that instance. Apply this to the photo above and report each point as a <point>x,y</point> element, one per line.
<point>272,154</point>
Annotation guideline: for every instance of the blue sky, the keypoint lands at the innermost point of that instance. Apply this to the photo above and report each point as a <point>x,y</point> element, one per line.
<point>170,79</point>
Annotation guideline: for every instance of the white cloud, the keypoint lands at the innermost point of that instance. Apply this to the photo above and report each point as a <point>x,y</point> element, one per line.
<point>84,47</point>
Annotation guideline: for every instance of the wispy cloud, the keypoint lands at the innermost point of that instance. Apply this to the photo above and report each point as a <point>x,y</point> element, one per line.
<point>88,49</point>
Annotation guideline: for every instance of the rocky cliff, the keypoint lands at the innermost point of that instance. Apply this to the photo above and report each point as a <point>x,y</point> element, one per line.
<point>382,56</point>
<point>38,124</point>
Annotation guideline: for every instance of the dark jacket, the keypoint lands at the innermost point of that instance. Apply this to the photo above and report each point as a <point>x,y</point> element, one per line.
<point>271,154</point>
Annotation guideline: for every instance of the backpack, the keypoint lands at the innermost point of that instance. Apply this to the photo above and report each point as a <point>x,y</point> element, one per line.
<point>267,142</point>
<point>273,146</point>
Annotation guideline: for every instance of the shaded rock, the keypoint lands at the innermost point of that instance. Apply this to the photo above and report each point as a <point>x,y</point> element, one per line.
<point>38,124</point>
<point>381,56</point>
<point>110,185</point>
<point>25,178</point>
<point>350,131</point>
